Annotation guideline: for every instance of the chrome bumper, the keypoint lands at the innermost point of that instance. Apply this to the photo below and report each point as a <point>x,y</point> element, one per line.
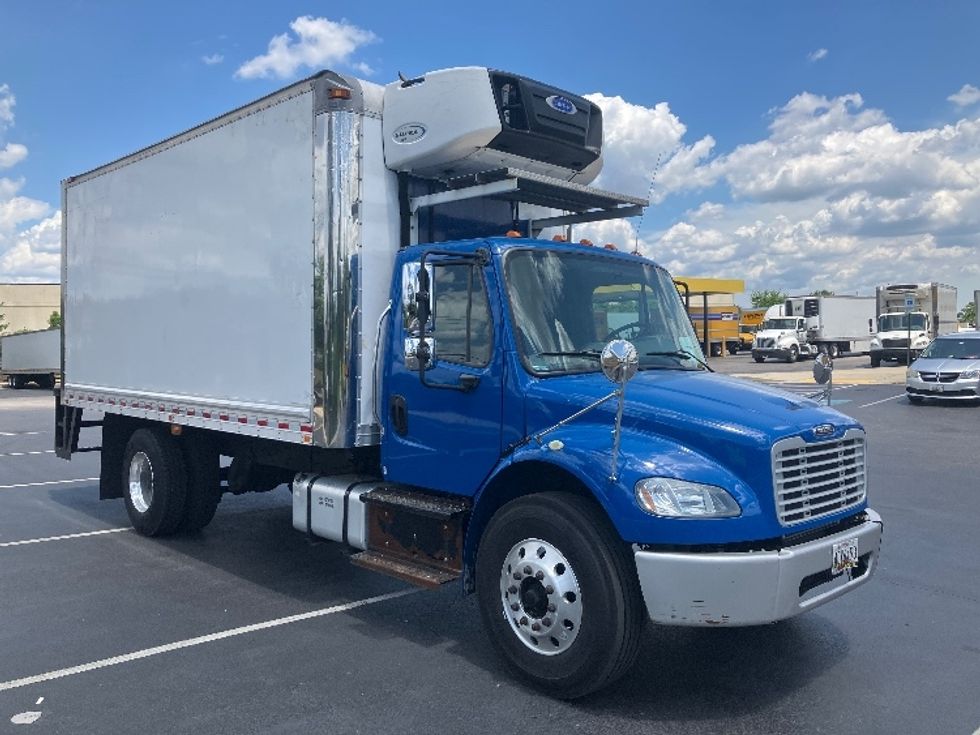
<point>752,588</point>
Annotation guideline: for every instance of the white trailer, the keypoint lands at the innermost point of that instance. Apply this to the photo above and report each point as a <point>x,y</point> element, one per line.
<point>835,324</point>
<point>909,317</point>
<point>31,357</point>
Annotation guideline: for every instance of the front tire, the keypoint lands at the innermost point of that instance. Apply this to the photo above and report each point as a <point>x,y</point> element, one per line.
<point>758,358</point>
<point>794,354</point>
<point>154,482</point>
<point>559,595</point>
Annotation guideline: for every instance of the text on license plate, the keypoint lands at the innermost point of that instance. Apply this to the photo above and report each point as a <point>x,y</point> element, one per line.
<point>845,556</point>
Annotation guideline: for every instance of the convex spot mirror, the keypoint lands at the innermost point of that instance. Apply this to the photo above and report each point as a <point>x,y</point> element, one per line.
<point>823,367</point>
<point>619,361</point>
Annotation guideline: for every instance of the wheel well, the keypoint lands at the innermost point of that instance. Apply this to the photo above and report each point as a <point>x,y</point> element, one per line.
<point>518,480</point>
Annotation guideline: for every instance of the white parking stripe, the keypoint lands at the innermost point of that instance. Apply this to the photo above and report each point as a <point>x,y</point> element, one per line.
<point>24,454</point>
<point>156,650</point>
<point>65,536</point>
<point>49,482</point>
<point>883,400</point>
<point>22,433</point>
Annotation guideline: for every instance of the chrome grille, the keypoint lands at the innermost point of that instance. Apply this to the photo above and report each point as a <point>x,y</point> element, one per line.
<point>816,479</point>
<point>938,377</point>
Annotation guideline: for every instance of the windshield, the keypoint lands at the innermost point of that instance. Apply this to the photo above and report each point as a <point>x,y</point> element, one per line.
<point>895,322</point>
<point>780,324</point>
<point>952,348</point>
<point>566,306</point>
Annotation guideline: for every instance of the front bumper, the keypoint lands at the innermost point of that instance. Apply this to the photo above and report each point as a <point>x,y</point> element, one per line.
<point>958,390</point>
<point>752,588</point>
<point>777,352</point>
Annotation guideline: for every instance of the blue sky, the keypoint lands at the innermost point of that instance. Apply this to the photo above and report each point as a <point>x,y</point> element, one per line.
<point>804,145</point>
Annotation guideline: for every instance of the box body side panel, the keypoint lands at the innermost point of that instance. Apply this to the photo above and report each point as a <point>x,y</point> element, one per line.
<point>33,352</point>
<point>188,272</point>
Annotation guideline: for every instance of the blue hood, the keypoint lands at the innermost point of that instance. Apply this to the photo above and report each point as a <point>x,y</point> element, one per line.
<point>695,425</point>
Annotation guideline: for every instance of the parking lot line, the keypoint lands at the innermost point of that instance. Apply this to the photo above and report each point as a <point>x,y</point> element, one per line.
<point>22,433</point>
<point>25,454</point>
<point>883,400</point>
<point>200,640</point>
<point>64,536</point>
<point>48,482</point>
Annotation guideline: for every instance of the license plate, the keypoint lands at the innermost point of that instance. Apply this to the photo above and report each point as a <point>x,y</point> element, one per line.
<point>935,388</point>
<point>845,556</point>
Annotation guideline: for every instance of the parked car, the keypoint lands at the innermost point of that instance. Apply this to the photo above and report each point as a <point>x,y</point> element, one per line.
<point>949,368</point>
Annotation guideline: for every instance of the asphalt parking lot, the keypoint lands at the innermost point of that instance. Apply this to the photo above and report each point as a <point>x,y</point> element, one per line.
<point>248,628</point>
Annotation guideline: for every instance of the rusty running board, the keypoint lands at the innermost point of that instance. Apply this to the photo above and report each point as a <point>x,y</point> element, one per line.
<point>420,575</point>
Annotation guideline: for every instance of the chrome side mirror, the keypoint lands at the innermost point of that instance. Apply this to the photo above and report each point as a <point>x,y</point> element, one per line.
<point>619,361</point>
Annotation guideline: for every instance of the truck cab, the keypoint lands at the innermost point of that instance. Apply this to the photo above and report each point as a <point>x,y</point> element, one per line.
<point>895,330</point>
<point>782,337</point>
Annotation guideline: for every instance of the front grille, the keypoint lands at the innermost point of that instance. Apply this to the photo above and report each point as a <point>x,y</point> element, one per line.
<point>816,479</point>
<point>895,342</point>
<point>938,377</point>
<point>766,342</point>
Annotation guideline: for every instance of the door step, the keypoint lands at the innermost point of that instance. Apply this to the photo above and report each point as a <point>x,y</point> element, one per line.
<point>420,575</point>
<point>414,535</point>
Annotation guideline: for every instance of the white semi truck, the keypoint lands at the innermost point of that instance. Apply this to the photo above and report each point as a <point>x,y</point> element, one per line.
<point>909,317</point>
<point>809,325</point>
<point>31,357</point>
<point>266,287</point>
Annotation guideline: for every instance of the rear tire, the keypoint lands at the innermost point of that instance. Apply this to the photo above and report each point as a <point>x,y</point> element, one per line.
<point>579,613</point>
<point>154,482</point>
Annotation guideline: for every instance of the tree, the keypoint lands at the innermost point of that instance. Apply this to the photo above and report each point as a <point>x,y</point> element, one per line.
<point>54,321</point>
<point>969,314</point>
<point>763,299</point>
<point>823,292</point>
<point>3,322</point>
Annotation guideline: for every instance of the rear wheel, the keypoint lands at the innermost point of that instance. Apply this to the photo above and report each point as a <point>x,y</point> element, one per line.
<point>832,350</point>
<point>154,482</point>
<point>559,595</point>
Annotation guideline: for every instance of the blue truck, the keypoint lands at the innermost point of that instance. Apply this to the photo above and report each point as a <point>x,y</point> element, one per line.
<point>350,289</point>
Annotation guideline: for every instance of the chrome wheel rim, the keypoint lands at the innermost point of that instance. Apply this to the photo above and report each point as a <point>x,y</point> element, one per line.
<point>541,597</point>
<point>140,482</point>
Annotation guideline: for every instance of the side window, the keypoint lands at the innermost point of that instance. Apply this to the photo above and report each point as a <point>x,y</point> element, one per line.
<point>462,315</point>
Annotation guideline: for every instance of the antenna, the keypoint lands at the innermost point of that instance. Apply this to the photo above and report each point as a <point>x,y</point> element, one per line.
<point>639,225</point>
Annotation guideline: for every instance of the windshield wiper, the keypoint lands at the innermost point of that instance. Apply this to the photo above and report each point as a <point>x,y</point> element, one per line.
<point>571,353</point>
<point>682,354</point>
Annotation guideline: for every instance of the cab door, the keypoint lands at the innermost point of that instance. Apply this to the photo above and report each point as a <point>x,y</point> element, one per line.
<point>443,421</point>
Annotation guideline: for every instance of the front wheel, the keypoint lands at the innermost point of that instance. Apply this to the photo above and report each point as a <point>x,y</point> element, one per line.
<point>794,354</point>
<point>558,593</point>
<point>758,358</point>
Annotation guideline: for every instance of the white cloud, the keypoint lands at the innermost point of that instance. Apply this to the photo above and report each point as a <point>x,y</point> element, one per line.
<point>212,59</point>
<point>814,56</point>
<point>835,196</point>
<point>12,154</point>
<point>35,254</point>
<point>317,42</point>
<point>7,102</point>
<point>968,95</point>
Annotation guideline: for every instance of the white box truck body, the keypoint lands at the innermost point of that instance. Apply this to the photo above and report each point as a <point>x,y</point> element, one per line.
<point>31,357</point>
<point>835,324</point>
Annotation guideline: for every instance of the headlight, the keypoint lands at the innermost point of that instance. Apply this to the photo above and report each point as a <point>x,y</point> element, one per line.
<point>875,342</point>
<point>970,375</point>
<point>920,342</point>
<point>910,373</point>
<point>666,496</point>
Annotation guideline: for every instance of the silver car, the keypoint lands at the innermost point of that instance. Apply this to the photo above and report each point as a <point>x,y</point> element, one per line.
<point>949,368</point>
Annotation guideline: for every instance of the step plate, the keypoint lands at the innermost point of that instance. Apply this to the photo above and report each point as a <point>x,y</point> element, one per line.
<point>416,574</point>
